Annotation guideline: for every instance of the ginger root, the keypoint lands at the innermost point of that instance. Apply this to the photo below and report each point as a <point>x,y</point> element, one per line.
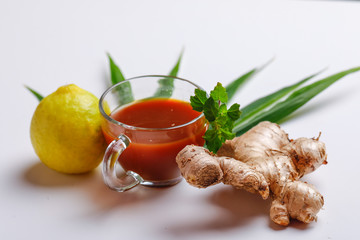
<point>265,161</point>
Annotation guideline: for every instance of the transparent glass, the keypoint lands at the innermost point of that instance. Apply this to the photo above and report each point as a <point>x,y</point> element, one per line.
<point>147,155</point>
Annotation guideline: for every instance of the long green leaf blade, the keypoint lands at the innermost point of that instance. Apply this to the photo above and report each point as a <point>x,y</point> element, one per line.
<point>264,102</point>
<point>36,94</point>
<point>166,85</point>
<point>174,71</point>
<point>295,100</point>
<point>125,92</point>
<point>116,74</point>
<point>236,84</point>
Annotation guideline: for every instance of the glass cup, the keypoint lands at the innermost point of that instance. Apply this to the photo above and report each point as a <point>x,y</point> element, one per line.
<point>147,155</point>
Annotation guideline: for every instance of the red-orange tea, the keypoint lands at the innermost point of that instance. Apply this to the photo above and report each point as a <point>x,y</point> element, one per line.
<point>152,152</point>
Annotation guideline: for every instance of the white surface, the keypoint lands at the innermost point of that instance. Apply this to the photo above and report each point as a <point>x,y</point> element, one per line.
<point>46,44</point>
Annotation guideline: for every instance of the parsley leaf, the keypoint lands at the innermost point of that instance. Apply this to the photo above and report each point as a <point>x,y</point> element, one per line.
<point>221,119</point>
<point>198,101</point>
<point>219,93</point>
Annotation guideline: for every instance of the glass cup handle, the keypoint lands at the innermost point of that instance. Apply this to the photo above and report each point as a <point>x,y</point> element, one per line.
<point>112,153</point>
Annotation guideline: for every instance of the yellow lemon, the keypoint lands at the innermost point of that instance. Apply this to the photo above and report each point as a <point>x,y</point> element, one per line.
<point>66,130</point>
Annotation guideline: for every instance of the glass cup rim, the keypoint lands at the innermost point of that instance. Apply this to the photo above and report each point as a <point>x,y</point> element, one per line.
<point>110,119</point>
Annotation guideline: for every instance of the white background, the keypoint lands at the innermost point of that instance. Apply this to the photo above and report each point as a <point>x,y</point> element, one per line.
<point>46,44</point>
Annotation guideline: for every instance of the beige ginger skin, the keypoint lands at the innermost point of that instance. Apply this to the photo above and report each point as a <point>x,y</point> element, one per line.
<point>262,160</point>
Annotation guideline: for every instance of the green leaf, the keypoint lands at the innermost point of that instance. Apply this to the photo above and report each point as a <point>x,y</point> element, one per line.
<point>235,85</point>
<point>201,94</point>
<point>222,121</point>
<point>166,85</point>
<point>223,109</point>
<point>282,108</point>
<point>211,109</point>
<point>36,94</point>
<point>175,69</point>
<point>234,111</point>
<point>213,139</point>
<point>124,90</point>
<point>262,103</point>
<point>197,102</point>
<point>219,93</point>
<point>227,134</point>
<point>116,74</point>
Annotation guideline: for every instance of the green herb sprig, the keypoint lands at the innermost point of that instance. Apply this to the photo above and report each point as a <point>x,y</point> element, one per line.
<point>221,119</point>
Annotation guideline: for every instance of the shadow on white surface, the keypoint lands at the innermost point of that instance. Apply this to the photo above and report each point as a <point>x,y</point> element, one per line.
<point>236,209</point>
<point>41,176</point>
<point>92,185</point>
<point>107,200</point>
<point>231,208</point>
<point>243,207</point>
